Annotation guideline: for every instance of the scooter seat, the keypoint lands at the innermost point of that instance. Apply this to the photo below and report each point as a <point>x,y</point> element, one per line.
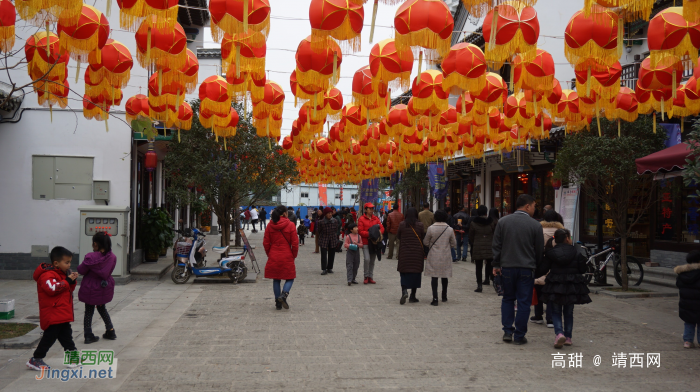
<point>236,252</point>
<point>219,249</point>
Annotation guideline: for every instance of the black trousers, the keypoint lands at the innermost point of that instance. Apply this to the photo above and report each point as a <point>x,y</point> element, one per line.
<point>434,286</point>
<point>327,258</point>
<point>62,332</point>
<point>89,312</point>
<point>301,239</point>
<point>489,270</point>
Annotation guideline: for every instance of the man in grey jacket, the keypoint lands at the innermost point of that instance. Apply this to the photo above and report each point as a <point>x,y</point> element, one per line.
<point>518,244</point>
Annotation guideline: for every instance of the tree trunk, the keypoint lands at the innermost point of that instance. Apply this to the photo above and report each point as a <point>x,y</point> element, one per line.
<point>623,261</point>
<point>236,220</point>
<point>225,230</point>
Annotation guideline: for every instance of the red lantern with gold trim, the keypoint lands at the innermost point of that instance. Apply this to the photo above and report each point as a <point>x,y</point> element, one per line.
<point>161,47</point>
<point>517,29</point>
<point>136,106</point>
<point>214,95</point>
<point>594,38</point>
<point>239,50</point>
<point>7,25</point>
<point>133,12</point>
<point>116,63</point>
<point>339,19</point>
<point>38,59</point>
<point>89,33</point>
<point>493,94</point>
<point>428,92</point>
<point>671,37</point>
<point>318,70</point>
<point>604,80</point>
<point>237,16</point>
<point>390,68</point>
<point>426,24</point>
<point>464,69</point>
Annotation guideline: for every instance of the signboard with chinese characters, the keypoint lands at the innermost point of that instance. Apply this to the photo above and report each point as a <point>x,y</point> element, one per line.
<point>665,219</point>
<point>569,202</point>
<point>438,181</point>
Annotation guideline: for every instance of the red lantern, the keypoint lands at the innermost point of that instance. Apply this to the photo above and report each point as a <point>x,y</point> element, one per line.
<point>318,70</point>
<point>388,67</point>
<point>90,32</point>
<point>595,38</point>
<point>340,19</point>
<point>7,25</point>
<point>464,68</point>
<point>133,12</point>
<point>136,106</point>
<point>470,187</point>
<point>161,47</point>
<point>424,24</point>
<point>151,159</point>
<point>671,37</point>
<point>556,184</point>
<point>237,16</point>
<point>516,31</point>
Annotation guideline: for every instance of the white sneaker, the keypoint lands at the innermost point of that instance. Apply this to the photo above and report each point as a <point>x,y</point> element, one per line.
<point>550,325</point>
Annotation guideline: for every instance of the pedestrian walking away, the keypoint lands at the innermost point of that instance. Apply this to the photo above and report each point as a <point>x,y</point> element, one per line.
<point>55,284</point>
<point>481,231</point>
<point>411,258</point>
<point>263,218</point>
<point>254,218</point>
<point>353,245</point>
<point>393,220</point>
<point>461,226</point>
<point>550,225</point>
<point>290,215</point>
<point>247,216</point>
<point>426,216</point>
<point>371,250</point>
<point>440,239</point>
<point>517,251</point>
<point>688,283</point>
<point>97,286</point>
<point>281,245</point>
<point>301,232</point>
<point>565,285</point>
<point>327,240</point>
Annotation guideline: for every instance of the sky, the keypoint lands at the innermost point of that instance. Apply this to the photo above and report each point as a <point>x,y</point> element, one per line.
<point>289,24</point>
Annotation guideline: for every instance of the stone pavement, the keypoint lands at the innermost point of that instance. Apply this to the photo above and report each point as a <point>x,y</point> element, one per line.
<point>214,337</point>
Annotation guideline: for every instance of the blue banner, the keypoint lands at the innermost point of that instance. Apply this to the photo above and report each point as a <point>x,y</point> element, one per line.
<point>369,191</point>
<point>674,133</point>
<point>438,181</point>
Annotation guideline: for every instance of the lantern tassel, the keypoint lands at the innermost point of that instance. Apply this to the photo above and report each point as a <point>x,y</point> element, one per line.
<point>106,125</point>
<point>245,15</point>
<point>178,135</point>
<point>673,87</point>
<point>538,145</point>
<point>108,11</point>
<point>682,123</point>
<point>335,65</point>
<point>597,118</point>
<point>619,131</point>
<point>77,71</point>
<point>663,106</point>
<point>225,143</point>
<point>51,112</point>
<point>315,105</point>
<point>654,122</point>
<point>494,21</point>
<point>420,62</point>
<point>620,32</point>
<point>238,58</point>
<point>588,82</point>
<point>464,104</point>
<point>374,17</point>
<point>48,41</point>
<point>148,47</point>
<point>160,83</point>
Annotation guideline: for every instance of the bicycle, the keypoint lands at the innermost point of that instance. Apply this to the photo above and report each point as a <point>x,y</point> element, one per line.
<point>594,269</point>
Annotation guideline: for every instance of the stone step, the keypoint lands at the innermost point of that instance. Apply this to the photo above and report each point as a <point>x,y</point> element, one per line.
<point>152,271</point>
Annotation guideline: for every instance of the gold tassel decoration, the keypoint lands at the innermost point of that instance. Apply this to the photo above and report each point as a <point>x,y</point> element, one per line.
<point>464,104</point>
<point>148,47</point>
<point>160,83</point>
<point>51,112</point>
<point>420,62</point>
<point>335,65</point>
<point>269,144</point>
<point>588,82</point>
<point>374,17</point>
<point>77,71</point>
<point>225,143</point>
<point>48,41</point>
<point>620,31</point>
<point>682,123</point>
<point>494,21</point>
<point>245,15</point>
<point>315,105</point>
<point>108,11</point>
<point>663,106</point>
<point>673,86</point>
<point>654,122</point>
<point>538,145</point>
<point>295,101</point>
<point>238,59</point>
<point>178,135</point>
<point>106,125</point>
<point>597,118</point>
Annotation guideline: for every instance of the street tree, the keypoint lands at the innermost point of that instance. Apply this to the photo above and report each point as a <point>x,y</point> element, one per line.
<point>604,168</point>
<point>414,181</point>
<point>244,168</point>
<point>691,175</point>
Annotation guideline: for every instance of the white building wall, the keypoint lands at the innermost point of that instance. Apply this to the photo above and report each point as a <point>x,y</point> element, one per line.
<point>294,196</point>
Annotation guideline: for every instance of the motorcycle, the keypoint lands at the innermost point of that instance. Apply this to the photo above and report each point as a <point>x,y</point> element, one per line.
<point>190,259</point>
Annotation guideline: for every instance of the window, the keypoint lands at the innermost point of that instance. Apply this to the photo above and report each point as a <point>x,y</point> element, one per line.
<point>55,177</point>
<point>305,194</point>
<point>337,196</point>
<point>353,196</point>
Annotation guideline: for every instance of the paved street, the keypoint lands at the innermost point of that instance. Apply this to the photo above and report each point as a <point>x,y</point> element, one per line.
<point>213,337</point>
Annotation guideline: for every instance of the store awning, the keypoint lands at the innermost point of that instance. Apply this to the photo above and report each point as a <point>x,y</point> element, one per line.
<point>668,160</point>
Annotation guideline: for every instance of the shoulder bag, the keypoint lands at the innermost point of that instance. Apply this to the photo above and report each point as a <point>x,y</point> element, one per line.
<point>427,252</point>
<point>352,246</point>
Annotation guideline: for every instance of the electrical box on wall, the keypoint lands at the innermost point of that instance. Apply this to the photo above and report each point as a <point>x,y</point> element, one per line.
<point>114,221</point>
<point>100,190</point>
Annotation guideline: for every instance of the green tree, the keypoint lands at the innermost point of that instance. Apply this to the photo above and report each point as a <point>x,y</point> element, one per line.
<point>412,184</point>
<point>246,169</point>
<point>604,167</point>
<point>692,168</point>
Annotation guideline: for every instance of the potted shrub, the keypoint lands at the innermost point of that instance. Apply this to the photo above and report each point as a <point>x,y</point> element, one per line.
<point>156,233</point>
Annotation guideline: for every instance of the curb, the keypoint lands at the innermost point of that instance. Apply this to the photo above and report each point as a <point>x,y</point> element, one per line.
<point>632,295</point>
<point>26,341</point>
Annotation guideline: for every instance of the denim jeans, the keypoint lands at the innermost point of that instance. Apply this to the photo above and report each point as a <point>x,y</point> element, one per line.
<point>276,286</point>
<point>689,332</point>
<point>463,246</point>
<point>517,285</point>
<point>454,254</point>
<point>568,326</point>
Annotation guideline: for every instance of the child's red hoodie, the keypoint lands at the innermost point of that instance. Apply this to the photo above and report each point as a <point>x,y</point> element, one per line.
<point>55,296</point>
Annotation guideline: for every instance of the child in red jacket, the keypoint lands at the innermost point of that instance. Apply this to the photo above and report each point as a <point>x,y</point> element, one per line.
<point>55,284</point>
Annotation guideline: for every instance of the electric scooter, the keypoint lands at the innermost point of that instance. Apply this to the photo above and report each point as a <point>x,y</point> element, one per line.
<point>190,260</point>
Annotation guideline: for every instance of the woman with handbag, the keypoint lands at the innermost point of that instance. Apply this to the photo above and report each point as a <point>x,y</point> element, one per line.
<point>440,239</point>
<point>353,245</point>
<point>411,257</point>
<point>281,244</point>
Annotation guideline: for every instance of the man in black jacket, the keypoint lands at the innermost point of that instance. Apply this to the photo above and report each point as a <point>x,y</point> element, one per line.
<point>518,243</point>
<point>461,228</point>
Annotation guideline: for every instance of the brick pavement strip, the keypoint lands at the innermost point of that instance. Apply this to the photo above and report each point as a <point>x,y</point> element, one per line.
<point>335,337</point>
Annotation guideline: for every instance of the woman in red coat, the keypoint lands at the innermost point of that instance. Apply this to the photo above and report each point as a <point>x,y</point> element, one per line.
<point>281,244</point>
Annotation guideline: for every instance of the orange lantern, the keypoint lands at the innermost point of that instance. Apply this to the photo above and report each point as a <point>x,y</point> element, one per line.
<point>660,76</point>
<point>596,38</point>
<point>160,93</point>
<point>671,37</point>
<point>515,112</point>
<point>631,10</point>
<point>239,50</point>
<point>133,12</point>
<point>424,24</point>
<point>318,70</point>
<point>605,81</point>
<point>516,31</point>
<point>448,120</point>
<point>339,19</point>
<point>309,123</point>
<point>355,118</point>
<point>479,8</point>
<point>680,109</point>
<point>333,104</point>
<point>654,100</point>
<point>237,16</point>
<point>303,92</point>
<point>90,32</point>
<point>40,12</point>
<point>214,95</point>
<point>95,108</point>
<point>161,47</point>
<point>7,25</point>
<point>397,121</point>
<point>184,117</point>
<point>626,106</point>
<point>53,63</point>
<point>390,68</point>
<point>116,63</point>
<point>228,126</point>
<point>363,91</point>
<point>59,95</point>
<point>428,92</point>
<point>692,94</point>
<point>136,106</point>
<point>568,107</point>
